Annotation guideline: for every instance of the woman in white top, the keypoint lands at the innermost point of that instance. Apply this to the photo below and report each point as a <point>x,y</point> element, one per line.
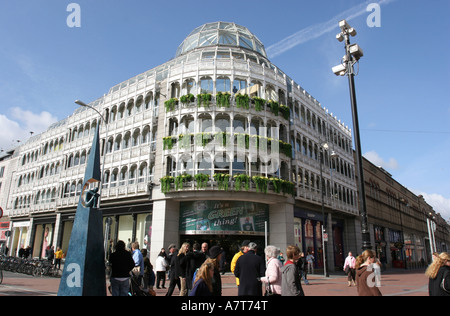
<point>161,266</point>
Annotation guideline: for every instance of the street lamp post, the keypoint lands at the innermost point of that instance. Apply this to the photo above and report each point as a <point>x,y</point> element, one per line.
<point>81,103</point>
<point>108,221</point>
<point>352,55</point>
<point>322,192</point>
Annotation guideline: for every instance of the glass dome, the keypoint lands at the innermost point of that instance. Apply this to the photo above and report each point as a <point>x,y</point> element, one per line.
<point>221,33</point>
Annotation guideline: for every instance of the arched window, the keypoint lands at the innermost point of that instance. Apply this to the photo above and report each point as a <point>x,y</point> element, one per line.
<point>114,178</point>
<point>126,140</point>
<point>130,107</point>
<point>138,107</point>
<point>223,84</point>
<point>113,114</point>
<point>123,176</point>
<point>145,135</point>
<point>206,85</point>
<point>77,159</point>
<point>143,170</point>
<point>80,132</point>
<point>83,158</point>
<point>135,139</point>
<point>148,100</point>
<point>239,86</point>
<point>189,87</point>
<point>117,142</point>
<point>132,174</point>
<point>175,90</point>
<point>121,113</point>
<point>105,181</point>
<point>204,163</point>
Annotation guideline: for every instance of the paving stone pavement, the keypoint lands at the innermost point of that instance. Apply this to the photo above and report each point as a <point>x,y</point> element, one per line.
<point>394,282</point>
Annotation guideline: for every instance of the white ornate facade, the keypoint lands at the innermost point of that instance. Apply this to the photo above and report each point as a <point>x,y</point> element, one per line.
<point>154,130</point>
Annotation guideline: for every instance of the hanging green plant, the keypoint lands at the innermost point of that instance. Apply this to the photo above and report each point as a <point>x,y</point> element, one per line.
<point>286,149</point>
<point>222,180</point>
<point>202,139</point>
<point>288,187</point>
<point>241,181</point>
<point>259,103</point>
<point>165,183</point>
<point>274,106</point>
<point>242,140</point>
<point>181,180</point>
<point>242,101</point>
<point>188,98</point>
<point>221,138</point>
<point>276,184</point>
<point>201,180</point>
<point>261,183</point>
<point>204,99</point>
<point>170,104</point>
<point>285,111</point>
<point>168,142</point>
<point>223,99</point>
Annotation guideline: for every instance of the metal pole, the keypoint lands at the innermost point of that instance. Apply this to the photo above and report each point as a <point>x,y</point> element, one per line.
<point>324,247</point>
<point>359,163</point>
<point>105,144</point>
<point>265,234</point>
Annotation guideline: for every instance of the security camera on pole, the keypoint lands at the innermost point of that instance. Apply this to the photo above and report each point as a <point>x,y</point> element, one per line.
<point>352,55</point>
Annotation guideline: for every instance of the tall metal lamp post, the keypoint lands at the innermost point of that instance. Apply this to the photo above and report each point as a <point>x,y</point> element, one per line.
<point>352,55</point>
<point>323,146</point>
<point>81,103</point>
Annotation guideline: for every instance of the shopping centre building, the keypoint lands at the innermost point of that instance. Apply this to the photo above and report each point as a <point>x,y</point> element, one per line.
<point>217,145</point>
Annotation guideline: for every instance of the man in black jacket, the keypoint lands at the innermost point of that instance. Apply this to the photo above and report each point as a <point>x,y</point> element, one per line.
<point>174,274</point>
<point>121,264</point>
<point>194,260</point>
<point>249,269</point>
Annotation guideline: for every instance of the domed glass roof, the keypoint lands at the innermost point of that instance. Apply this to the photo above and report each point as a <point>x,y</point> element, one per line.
<point>221,33</point>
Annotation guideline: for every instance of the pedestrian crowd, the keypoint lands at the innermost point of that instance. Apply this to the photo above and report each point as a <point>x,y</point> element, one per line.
<point>197,271</point>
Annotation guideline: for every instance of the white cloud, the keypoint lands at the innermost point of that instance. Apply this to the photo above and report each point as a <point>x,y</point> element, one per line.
<point>373,157</point>
<point>439,203</point>
<point>20,124</point>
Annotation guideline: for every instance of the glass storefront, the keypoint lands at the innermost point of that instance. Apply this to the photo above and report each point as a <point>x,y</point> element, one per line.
<point>223,217</point>
<point>308,236</point>
<point>224,223</point>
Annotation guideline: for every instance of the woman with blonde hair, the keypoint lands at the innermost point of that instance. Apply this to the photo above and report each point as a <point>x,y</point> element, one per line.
<point>439,275</point>
<point>366,281</point>
<point>203,280</point>
<point>181,261</point>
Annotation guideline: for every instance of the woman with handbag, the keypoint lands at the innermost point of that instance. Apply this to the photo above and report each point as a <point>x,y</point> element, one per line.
<point>273,271</point>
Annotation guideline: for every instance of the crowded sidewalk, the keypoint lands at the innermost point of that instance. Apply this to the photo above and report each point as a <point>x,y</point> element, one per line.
<point>394,282</point>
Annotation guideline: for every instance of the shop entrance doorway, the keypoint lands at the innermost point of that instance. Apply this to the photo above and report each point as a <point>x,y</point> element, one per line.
<point>230,243</point>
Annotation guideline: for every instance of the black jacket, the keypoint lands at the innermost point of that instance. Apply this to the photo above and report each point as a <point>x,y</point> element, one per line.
<point>194,260</point>
<point>434,285</point>
<point>249,269</point>
<point>121,264</point>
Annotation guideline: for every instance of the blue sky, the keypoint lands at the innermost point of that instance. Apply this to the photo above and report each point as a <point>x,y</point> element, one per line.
<point>403,86</point>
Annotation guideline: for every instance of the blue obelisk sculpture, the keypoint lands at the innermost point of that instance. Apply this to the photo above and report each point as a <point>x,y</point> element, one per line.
<point>84,268</point>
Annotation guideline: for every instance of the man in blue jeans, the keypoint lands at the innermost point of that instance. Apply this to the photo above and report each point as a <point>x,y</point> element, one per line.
<point>121,263</point>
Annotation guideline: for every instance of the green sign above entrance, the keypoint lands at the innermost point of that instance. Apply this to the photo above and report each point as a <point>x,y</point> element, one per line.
<point>223,217</point>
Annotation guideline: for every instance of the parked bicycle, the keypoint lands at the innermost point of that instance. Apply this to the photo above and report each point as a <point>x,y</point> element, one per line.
<point>34,267</point>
